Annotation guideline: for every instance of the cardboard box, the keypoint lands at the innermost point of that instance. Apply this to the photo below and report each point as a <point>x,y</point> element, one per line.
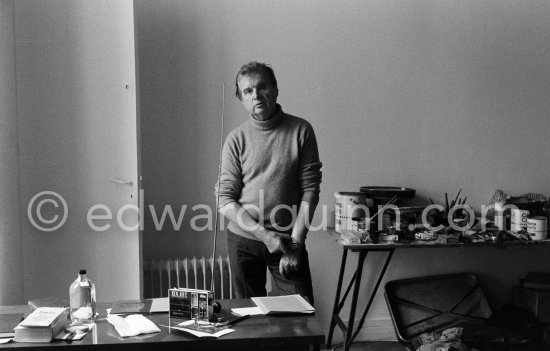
<point>536,301</point>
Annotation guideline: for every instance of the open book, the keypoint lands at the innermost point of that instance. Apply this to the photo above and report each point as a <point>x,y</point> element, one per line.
<point>287,304</point>
<point>132,325</point>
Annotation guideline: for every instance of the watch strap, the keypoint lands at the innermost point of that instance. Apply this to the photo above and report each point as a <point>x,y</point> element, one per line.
<point>294,245</point>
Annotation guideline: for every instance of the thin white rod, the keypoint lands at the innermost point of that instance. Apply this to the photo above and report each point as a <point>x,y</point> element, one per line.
<point>212,285</point>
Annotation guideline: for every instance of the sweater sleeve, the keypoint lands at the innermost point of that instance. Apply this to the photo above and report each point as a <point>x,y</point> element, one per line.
<point>310,174</point>
<point>230,177</point>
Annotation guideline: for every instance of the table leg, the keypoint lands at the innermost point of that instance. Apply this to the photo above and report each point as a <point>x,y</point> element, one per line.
<point>359,273</point>
<point>373,294</point>
<point>335,310</point>
<point>355,282</point>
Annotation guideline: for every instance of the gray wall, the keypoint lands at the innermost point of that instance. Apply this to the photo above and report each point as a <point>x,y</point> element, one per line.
<point>11,262</point>
<point>432,95</point>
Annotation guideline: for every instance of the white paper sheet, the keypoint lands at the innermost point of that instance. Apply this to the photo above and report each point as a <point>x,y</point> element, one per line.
<point>161,304</point>
<point>252,311</point>
<point>283,304</point>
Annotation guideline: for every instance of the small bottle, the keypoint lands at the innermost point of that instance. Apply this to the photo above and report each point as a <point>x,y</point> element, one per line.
<point>82,299</point>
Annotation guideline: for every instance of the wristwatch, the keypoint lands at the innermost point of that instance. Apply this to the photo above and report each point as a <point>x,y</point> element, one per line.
<point>294,245</point>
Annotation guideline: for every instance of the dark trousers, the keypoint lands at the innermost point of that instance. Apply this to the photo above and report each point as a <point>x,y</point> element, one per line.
<point>249,260</point>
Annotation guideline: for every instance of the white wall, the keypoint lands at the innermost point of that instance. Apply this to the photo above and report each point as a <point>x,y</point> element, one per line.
<point>11,263</point>
<point>431,95</point>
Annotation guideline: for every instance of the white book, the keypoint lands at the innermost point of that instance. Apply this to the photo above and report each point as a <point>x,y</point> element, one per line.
<point>286,304</point>
<point>43,317</point>
<point>42,325</point>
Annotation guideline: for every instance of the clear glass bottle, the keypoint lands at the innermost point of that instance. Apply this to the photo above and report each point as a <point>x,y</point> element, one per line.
<point>82,299</point>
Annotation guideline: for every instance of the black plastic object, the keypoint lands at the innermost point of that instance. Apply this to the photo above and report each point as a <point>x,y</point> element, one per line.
<point>435,303</point>
<point>216,307</point>
<point>387,192</point>
<point>217,316</point>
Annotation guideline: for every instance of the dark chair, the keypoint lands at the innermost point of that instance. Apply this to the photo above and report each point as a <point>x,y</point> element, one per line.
<point>436,303</point>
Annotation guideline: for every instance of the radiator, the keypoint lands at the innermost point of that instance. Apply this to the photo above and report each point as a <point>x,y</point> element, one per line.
<point>193,273</point>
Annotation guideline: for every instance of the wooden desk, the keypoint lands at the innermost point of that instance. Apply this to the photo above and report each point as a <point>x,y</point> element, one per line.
<point>254,333</point>
<point>350,333</point>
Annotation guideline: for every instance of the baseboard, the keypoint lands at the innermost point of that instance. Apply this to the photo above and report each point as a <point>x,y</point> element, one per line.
<point>377,330</point>
<point>373,330</point>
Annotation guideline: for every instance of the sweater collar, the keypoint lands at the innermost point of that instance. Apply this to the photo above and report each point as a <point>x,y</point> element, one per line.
<point>270,123</point>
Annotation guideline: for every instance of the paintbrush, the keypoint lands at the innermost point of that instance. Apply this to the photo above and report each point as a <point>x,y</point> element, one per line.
<point>393,199</point>
<point>453,203</point>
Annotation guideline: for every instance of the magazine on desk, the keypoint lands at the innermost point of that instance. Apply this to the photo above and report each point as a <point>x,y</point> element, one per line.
<point>202,330</point>
<point>287,304</point>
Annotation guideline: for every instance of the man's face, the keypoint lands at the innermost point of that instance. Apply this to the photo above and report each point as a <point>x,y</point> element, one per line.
<point>258,95</point>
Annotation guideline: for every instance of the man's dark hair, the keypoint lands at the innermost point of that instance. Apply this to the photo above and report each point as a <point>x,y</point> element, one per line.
<point>254,67</point>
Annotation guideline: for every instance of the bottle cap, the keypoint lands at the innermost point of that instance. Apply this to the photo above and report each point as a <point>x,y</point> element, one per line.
<point>82,271</point>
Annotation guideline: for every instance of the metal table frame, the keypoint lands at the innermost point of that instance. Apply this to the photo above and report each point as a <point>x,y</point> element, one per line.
<point>355,283</point>
<point>349,330</point>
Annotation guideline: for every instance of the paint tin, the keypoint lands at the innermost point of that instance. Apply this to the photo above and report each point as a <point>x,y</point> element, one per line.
<point>536,227</point>
<point>349,206</point>
<point>518,222</point>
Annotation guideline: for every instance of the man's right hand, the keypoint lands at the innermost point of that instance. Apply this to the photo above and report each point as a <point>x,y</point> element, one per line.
<point>277,242</point>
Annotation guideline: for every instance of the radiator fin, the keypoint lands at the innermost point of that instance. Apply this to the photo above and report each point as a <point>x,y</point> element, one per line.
<point>193,273</point>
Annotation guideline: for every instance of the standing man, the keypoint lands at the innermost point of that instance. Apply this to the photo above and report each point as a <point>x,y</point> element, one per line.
<point>268,189</point>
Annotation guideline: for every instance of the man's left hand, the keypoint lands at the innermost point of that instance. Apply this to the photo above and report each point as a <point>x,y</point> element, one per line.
<point>290,262</point>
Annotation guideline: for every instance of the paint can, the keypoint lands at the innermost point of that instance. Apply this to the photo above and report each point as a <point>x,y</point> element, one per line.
<point>536,227</point>
<point>349,206</point>
<point>518,221</point>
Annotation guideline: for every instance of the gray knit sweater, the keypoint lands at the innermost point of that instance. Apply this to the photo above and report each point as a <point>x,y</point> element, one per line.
<point>269,167</point>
